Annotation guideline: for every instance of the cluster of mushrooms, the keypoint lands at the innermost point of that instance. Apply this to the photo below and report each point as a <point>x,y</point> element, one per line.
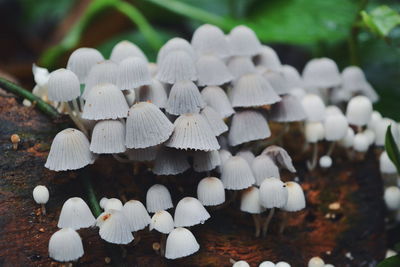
<point>208,100</point>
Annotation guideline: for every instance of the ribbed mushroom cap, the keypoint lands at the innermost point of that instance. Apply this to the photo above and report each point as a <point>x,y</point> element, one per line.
<point>273,193</point>
<point>210,191</point>
<point>217,99</point>
<point>359,111</point>
<point>133,73</point>
<point>102,202</point>
<point>193,132</point>
<point>125,49</point>
<point>205,161</point>
<point>243,41</point>
<point>114,227</point>
<point>189,211</point>
<point>75,214</point>
<point>354,82</point>
<point>348,140</point>
<point>287,110</point>
<point>170,161</point>
<point>176,66</point>
<point>142,154</point>
<point>236,174</point>
<point>252,90</point>
<point>215,120</point>
<point>63,85</point>
<point>277,81</point>
<point>241,65</point>
<point>335,127</point>
<point>211,70</point>
<point>264,167</point>
<point>154,93</point>
<point>69,151</point>
<point>82,60</point>
<point>268,58</point>
<point>180,243</point>
<point>108,137</point>
<point>224,155</point>
<point>105,101</point>
<point>250,201</point>
<point>280,157</point>
<point>175,44</point>
<point>361,142</point>
<point>40,194</point>
<point>162,222</point>
<point>314,107</point>
<point>246,126</point>
<point>292,77</point>
<point>65,245</point>
<point>247,155</point>
<point>146,126</point>
<point>210,40</point>
<point>184,97</point>
<point>386,165</point>
<point>321,73</point>
<point>136,214</point>
<point>296,200</point>
<point>113,204</point>
<point>158,198</point>
<point>314,132</point>
<point>104,72</point>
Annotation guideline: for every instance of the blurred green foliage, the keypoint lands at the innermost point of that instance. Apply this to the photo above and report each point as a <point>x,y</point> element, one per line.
<point>381,20</point>
<point>35,11</point>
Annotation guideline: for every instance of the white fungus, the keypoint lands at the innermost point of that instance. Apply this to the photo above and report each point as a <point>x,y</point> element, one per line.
<point>241,264</point>
<point>114,227</point>
<point>101,73</point>
<point>162,222</point>
<point>236,174</point>
<point>158,198</point>
<point>335,127</point>
<point>392,197</point>
<point>206,160</point>
<point>113,204</point>
<point>216,98</point>
<point>325,162</point>
<point>211,70</point>
<point>316,262</point>
<point>75,214</point>
<point>264,167</point>
<point>63,85</point>
<point>321,73</point>
<point>273,193</point>
<point>136,214</point>
<point>189,211</point>
<point>348,140</point>
<point>175,44</point>
<point>180,243</point>
<point>40,194</point>
<point>282,264</point>
<point>250,201</point>
<point>65,245</point>
<point>361,142</point>
<point>359,111</point>
<point>386,166</point>
<point>133,73</point>
<point>241,65</point>
<point>247,155</point>
<point>314,107</point>
<point>176,66</point>
<point>314,132</point>
<point>210,191</point>
<point>296,200</point>
<point>184,97</point>
<point>243,41</point>
<point>210,40</point>
<point>81,61</point>
<point>154,93</point>
<point>267,264</point>
<point>269,59</point>
<point>108,137</point>
<point>215,120</point>
<point>280,157</point>
<point>125,49</point>
<point>287,110</point>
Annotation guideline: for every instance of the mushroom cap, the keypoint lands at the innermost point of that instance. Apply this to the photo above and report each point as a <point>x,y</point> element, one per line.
<point>102,202</point>
<point>180,243</point>
<point>216,98</point>
<point>158,198</point>
<point>65,245</point>
<point>316,262</point>
<point>170,161</point>
<point>125,49</point>
<point>69,151</point>
<point>210,191</point>
<point>292,77</point>
<point>296,200</point>
<point>184,97</point>
<point>332,110</point>
<point>241,264</point>
<point>381,128</point>
<point>215,120</point>
<point>108,137</point>
<point>63,85</point>
<point>273,193</point>
<point>314,132</point>
<point>287,110</point>
<point>206,160</point>
<point>277,81</point>
<point>392,197</point>
<point>314,107</point>
<point>210,40</point>
<point>114,227</point>
<point>133,73</point>
<point>359,111</point>
<point>176,66</point>
<point>264,167</point>
<point>280,157</point>
<point>175,44</point>
<point>136,214</point>
<point>354,82</point>
<point>282,264</point>
<point>325,162</point>
<point>211,70</point>
<point>189,211</point>
<point>321,73</point>
<point>385,164</point>
<point>267,264</point>
<point>376,118</point>
<point>75,214</point>
<point>250,201</point>
<point>268,58</point>
<point>361,142</point>
<point>82,60</point>
<point>104,72</point>
<point>113,204</point>
<point>236,174</point>
<point>335,127</point>
<point>142,154</point>
<point>154,93</point>
<point>241,65</point>
<point>247,155</point>
<point>40,194</point>
<point>224,155</point>
<point>162,222</point>
<point>243,41</point>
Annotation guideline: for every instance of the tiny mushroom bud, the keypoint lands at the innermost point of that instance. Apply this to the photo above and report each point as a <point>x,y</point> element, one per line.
<point>41,196</point>
<point>316,262</point>
<point>181,243</point>
<point>237,174</point>
<point>103,202</point>
<point>250,201</point>
<point>65,245</point>
<point>314,132</point>
<point>15,139</point>
<point>335,127</point>
<point>273,193</point>
<point>392,197</point>
<point>282,264</point>
<point>189,211</point>
<point>325,162</point>
<point>267,264</point>
<point>386,165</point>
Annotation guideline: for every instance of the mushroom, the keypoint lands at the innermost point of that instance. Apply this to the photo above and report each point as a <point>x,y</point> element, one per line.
<point>392,198</point>
<point>175,66</point>
<point>236,174</point>
<point>247,155</point>
<point>354,82</point>
<point>210,191</point>
<point>75,214</point>
<point>211,70</point>
<point>154,93</point>
<point>314,132</point>
<point>108,137</point>
<point>325,162</point>
<point>189,212</point>
<point>114,227</point>
<point>82,60</point>
<point>180,243</point>
<point>277,81</point>
<point>206,160</point>
<point>268,58</point>
<point>133,73</point>
<point>267,264</point>
<point>241,65</point>
<point>295,202</point>
<point>387,168</point>
<point>361,143</point>
<point>162,222</point>
<point>250,203</point>
<point>125,49</point>
<point>224,155</point>
<point>136,214</point>
<point>215,120</point>
<point>282,264</point>
<point>184,97</point>
<point>142,154</point>
<point>175,44</point>
<point>292,77</point>
<point>264,167</point>
<point>216,99</point>
<point>240,264</point>
<point>104,72</point>
<point>314,108</point>
<point>316,262</point>
<point>243,41</point>
<point>158,198</point>
<point>289,109</point>
<point>113,204</point>
<point>335,129</point>
<point>280,157</point>
<point>102,202</point>
<point>65,245</point>
<point>41,196</point>
<point>15,139</point>
<point>210,40</point>
<point>359,111</point>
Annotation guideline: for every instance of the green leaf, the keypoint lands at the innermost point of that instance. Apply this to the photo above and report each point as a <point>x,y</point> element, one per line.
<point>392,149</point>
<point>393,261</point>
<point>381,21</point>
<point>37,11</point>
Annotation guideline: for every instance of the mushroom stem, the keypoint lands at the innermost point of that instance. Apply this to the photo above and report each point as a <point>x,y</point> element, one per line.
<point>283,222</point>
<point>121,159</point>
<point>76,120</point>
<point>311,165</point>
<point>136,238</point>
<point>257,224</point>
<point>43,209</point>
<point>163,242</point>
<point>331,148</point>
<point>267,222</point>
<point>76,108</point>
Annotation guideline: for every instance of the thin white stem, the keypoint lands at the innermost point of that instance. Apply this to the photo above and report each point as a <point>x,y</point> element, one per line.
<point>76,120</point>
<point>331,148</point>
<point>43,209</point>
<point>311,165</point>
<point>76,108</point>
<point>267,222</point>
<point>257,224</point>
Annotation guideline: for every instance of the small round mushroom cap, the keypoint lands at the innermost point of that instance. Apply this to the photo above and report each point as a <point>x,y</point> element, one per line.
<point>287,110</point>
<point>268,58</point>
<point>40,75</point>
<point>250,201</point>
<point>348,140</point>
<point>252,90</point>
<point>75,214</point>
<point>264,167</point>
<point>158,198</point>
<point>206,160</point>
<point>136,214</point>
<point>282,264</point>
<point>280,157</point>
<point>215,120</point>
<point>210,40</point>
<point>392,197</point>
<point>273,193</point>
<point>292,77</point>
<point>385,164</point>
<point>142,154</point>
<point>146,126</point>
<point>359,111</point>
<point>102,202</point>
<point>241,264</point>
<point>63,85</point>
<point>154,93</point>
<point>236,174</point>
<point>354,82</point>
<point>69,151</point>
<point>332,110</point>
<point>170,161</point>
<point>241,65</point>
<point>189,211</point>
<point>175,44</point>
<point>65,245</point>
<point>40,194</point>
<point>335,127</point>
<point>321,73</point>
<point>246,126</point>
<point>371,136</point>
<point>184,97</point>
<point>114,227</point>
<point>180,243</point>
<point>267,264</point>
<point>162,222</point>
<point>113,204</point>
<point>105,101</point>
<point>243,41</point>
<point>108,137</point>
<point>211,70</point>
<point>210,191</point>
<point>314,107</point>
<point>247,155</point>
<point>176,66</point>
<point>314,132</point>
<point>82,60</point>
<point>316,262</point>
<point>216,98</point>
<point>361,142</point>
<point>296,200</point>
<point>325,162</point>
<point>381,128</point>
<point>101,73</point>
<point>133,73</point>
<point>125,49</point>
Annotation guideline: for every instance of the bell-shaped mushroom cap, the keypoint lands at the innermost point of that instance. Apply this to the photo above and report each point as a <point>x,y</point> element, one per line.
<point>63,85</point>
<point>210,40</point>
<point>376,118</point>
<point>40,194</point>
<point>170,161</point>
<point>241,264</point>
<point>348,140</point>
<point>108,137</point>
<point>154,93</point>
<point>102,202</point>
<point>158,198</point>
<point>282,264</point>
<point>314,107</point>
<point>325,161</point>
<point>361,142</point>
<point>277,81</point>
<point>133,73</point>
<point>381,128</point>
<point>252,90</point>
<point>250,201</point>
<point>210,191</point>
<point>65,245</point>
<point>125,49</point>
<point>267,264</point>
<point>113,204</point>
<point>332,110</point>
<point>69,151</point>
<point>180,243</point>
<point>224,155</point>
<point>211,70</point>
<point>359,111</point>
<point>264,167</point>
<point>335,127</point>
<point>236,174</point>
<point>176,66</point>
<point>75,214</point>
<point>184,97</point>
<point>162,222</point>
<point>205,160</point>
<point>216,98</point>
<point>102,72</point>
<point>321,73</point>
<point>386,165</point>
<point>241,65</point>
<point>280,157</point>
<point>316,262</point>
<point>354,82</point>
<point>146,126</point>
<point>296,200</point>
<point>273,193</point>
<point>247,155</point>
<point>299,93</point>
<point>105,101</point>
<point>292,77</point>
<point>193,132</point>
<point>136,214</point>
<point>114,227</point>
<point>392,197</point>
<point>314,132</point>
<point>142,154</point>
<point>175,44</point>
<point>246,126</point>
<point>215,120</point>
<point>268,58</point>
<point>243,41</point>
<point>287,110</point>
<point>82,60</point>
<point>189,211</point>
